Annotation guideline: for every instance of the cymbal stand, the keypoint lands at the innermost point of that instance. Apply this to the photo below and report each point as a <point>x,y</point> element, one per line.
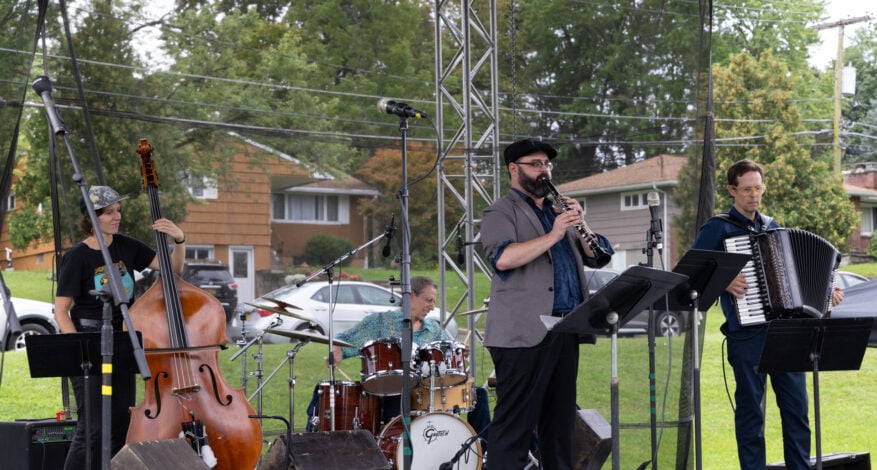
<point>244,344</point>
<point>290,358</point>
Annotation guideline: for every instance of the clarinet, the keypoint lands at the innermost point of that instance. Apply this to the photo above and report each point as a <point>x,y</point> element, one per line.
<point>585,232</point>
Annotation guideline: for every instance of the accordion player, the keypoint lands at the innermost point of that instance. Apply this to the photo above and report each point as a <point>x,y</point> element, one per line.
<point>791,274</point>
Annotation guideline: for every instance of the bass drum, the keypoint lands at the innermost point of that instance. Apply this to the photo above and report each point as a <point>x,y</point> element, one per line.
<point>435,439</point>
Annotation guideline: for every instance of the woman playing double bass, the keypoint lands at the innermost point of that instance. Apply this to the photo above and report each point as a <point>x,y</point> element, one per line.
<point>82,270</point>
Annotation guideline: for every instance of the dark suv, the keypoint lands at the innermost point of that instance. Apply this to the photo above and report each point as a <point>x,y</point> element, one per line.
<point>211,276</point>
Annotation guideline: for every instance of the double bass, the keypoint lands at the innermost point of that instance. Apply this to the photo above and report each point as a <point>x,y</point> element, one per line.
<point>183,328</point>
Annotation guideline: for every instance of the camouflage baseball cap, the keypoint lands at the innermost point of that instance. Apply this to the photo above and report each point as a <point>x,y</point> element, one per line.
<point>101,196</point>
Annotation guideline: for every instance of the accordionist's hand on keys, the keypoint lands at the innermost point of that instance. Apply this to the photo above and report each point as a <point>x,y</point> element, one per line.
<point>837,295</point>
<point>738,287</point>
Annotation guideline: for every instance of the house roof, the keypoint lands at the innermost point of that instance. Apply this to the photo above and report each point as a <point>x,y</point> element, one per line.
<point>316,181</point>
<point>864,194</point>
<point>657,171</point>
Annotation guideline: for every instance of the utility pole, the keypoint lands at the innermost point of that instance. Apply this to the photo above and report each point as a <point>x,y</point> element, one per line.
<point>838,77</point>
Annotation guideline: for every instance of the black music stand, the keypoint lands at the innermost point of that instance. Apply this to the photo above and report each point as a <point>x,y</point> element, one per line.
<point>814,344</point>
<point>610,308</point>
<point>709,273</point>
<point>76,354</point>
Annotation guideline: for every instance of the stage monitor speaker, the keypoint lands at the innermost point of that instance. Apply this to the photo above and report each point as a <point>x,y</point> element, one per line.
<point>592,440</point>
<point>158,455</point>
<point>336,450</point>
<point>836,461</point>
<point>35,444</point>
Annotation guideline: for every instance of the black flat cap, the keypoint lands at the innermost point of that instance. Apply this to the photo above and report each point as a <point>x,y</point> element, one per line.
<point>526,147</point>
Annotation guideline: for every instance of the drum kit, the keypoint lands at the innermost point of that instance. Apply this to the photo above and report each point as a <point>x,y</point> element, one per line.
<point>441,390</point>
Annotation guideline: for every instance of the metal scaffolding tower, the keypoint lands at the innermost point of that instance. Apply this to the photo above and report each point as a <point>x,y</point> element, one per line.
<point>468,124</point>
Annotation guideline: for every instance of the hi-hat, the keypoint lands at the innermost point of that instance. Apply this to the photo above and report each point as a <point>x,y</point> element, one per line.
<point>473,312</point>
<point>306,335</point>
<point>281,311</point>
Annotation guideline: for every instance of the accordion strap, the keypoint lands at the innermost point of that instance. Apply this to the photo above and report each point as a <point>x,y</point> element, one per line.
<point>765,221</point>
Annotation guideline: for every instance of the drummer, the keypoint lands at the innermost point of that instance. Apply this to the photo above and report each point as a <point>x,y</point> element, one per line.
<point>424,330</point>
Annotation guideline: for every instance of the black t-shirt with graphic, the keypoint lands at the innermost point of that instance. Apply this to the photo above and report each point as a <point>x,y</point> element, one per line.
<point>83,269</point>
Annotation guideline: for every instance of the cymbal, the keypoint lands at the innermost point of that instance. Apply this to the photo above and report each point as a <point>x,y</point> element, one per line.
<point>282,303</point>
<point>281,311</point>
<point>306,335</point>
<point>473,312</point>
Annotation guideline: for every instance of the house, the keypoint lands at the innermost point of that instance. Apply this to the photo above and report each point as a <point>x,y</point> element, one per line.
<point>861,184</point>
<point>616,206</point>
<point>262,219</point>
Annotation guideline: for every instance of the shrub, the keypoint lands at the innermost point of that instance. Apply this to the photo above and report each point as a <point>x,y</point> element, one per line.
<point>323,249</point>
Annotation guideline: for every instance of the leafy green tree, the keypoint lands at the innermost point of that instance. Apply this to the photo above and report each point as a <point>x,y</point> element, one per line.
<point>860,112</point>
<point>757,118</point>
<point>615,72</point>
<point>112,68</point>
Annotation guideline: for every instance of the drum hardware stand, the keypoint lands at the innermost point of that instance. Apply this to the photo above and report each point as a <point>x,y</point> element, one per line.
<point>610,308</point>
<point>329,269</point>
<point>258,373</point>
<point>290,358</point>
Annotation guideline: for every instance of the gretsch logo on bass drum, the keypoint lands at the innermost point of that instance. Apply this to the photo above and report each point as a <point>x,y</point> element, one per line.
<point>431,433</point>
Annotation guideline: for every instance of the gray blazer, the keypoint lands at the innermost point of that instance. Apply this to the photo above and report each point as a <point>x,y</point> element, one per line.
<point>517,301</point>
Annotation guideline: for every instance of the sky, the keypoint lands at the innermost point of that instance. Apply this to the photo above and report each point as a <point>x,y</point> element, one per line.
<point>822,54</point>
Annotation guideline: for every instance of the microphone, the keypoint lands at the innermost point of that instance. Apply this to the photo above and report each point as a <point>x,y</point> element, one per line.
<point>654,201</point>
<point>43,86</point>
<point>389,106</point>
<point>389,235</point>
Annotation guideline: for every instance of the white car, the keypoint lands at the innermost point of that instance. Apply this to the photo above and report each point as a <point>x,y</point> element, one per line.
<point>35,318</point>
<point>353,301</point>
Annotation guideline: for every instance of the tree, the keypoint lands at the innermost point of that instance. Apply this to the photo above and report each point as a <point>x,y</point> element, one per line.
<point>860,116</point>
<point>758,118</point>
<point>105,40</point>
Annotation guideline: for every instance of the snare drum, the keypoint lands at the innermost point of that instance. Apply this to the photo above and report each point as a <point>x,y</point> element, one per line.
<point>456,399</point>
<point>443,361</point>
<point>354,409</point>
<point>435,438</point>
<point>382,367</point>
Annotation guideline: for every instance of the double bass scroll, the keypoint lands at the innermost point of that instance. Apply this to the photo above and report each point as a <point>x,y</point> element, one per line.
<point>183,328</point>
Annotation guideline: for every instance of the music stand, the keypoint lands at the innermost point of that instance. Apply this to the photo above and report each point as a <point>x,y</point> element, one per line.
<point>814,344</point>
<point>610,308</point>
<point>709,273</point>
<point>74,355</point>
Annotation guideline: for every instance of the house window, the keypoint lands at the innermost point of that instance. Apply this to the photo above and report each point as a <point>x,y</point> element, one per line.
<point>201,187</point>
<point>199,252</point>
<point>633,201</point>
<point>310,208</point>
<point>10,202</point>
<point>869,220</point>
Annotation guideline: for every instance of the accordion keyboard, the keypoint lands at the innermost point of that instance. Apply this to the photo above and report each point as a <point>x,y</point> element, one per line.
<point>752,308</point>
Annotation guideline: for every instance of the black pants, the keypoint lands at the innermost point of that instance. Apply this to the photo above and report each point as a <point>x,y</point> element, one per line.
<point>535,389</point>
<point>123,396</point>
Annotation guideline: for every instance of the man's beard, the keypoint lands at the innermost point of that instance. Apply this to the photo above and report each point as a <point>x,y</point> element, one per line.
<point>532,185</point>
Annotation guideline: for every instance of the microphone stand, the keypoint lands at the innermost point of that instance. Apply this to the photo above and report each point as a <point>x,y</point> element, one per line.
<point>449,465</point>
<point>113,291</point>
<point>651,243</point>
<point>329,270</point>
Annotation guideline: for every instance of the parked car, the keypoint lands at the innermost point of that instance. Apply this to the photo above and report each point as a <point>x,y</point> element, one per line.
<point>846,279</point>
<point>35,317</point>
<point>859,301</point>
<point>211,276</point>
<point>353,301</point>
<point>667,322</point>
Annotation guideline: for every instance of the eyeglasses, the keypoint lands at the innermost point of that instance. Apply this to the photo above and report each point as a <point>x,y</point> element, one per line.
<point>537,165</point>
<point>750,190</point>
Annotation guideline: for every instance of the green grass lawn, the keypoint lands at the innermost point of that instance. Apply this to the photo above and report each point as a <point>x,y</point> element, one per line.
<point>848,415</point>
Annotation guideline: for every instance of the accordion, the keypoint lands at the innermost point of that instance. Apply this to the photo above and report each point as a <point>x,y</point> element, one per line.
<point>790,275</point>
